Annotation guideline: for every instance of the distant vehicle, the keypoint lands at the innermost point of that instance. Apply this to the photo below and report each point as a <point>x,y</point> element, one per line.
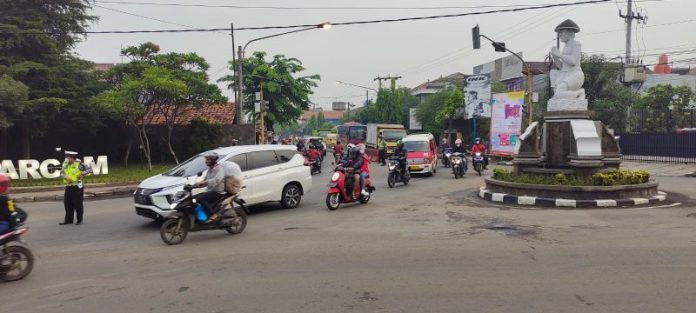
<point>390,132</point>
<point>330,139</point>
<point>271,173</point>
<point>352,133</point>
<point>421,153</point>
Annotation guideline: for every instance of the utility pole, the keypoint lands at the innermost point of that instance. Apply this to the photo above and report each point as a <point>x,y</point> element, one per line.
<point>240,91</point>
<point>262,110</point>
<point>629,17</point>
<point>392,78</point>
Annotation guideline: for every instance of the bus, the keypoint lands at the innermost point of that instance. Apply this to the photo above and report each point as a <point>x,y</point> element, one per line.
<point>352,133</point>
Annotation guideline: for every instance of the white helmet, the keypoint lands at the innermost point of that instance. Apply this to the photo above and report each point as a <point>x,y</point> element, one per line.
<point>458,142</point>
<point>361,146</point>
<point>350,146</point>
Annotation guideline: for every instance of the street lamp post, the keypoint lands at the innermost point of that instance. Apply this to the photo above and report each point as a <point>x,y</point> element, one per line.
<point>367,89</point>
<point>241,51</point>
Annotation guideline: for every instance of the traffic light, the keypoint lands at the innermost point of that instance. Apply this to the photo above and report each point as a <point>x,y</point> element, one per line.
<point>476,37</point>
<point>499,46</point>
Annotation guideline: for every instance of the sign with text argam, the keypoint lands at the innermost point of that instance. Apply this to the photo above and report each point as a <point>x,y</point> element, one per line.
<point>506,122</point>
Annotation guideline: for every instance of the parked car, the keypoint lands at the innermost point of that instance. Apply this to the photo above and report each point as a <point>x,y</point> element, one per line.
<point>422,153</point>
<point>271,173</point>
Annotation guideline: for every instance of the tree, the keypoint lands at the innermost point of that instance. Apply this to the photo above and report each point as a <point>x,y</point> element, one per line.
<point>427,111</point>
<point>666,108</point>
<point>12,96</point>
<point>286,92</point>
<point>453,102</point>
<point>153,84</point>
<point>37,60</point>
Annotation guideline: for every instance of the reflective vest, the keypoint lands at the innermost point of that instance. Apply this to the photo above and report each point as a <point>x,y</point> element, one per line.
<point>72,171</point>
<point>382,144</point>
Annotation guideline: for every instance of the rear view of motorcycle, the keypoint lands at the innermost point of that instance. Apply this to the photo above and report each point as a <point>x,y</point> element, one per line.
<point>397,173</point>
<point>16,260</point>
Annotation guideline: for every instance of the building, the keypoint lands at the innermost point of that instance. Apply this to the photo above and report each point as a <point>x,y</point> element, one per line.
<point>103,66</point>
<point>422,91</point>
<point>512,73</point>
<point>338,105</point>
<point>331,117</point>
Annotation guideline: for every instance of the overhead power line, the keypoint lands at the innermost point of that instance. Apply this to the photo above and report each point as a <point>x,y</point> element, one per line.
<point>405,19</point>
<point>201,5</point>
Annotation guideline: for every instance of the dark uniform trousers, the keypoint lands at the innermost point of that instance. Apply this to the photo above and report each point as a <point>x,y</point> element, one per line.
<point>73,200</point>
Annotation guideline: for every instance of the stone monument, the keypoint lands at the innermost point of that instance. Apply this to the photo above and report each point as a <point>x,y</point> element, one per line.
<point>568,141</point>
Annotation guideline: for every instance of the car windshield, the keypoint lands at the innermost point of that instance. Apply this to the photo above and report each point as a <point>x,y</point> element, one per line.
<point>394,135</point>
<point>416,146</point>
<point>190,167</point>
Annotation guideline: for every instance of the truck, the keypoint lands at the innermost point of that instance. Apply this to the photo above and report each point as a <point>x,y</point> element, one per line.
<point>390,132</point>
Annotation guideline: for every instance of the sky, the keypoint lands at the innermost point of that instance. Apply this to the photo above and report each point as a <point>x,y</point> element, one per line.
<point>417,51</point>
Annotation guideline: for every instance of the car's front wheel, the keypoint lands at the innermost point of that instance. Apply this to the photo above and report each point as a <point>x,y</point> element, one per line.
<point>292,195</point>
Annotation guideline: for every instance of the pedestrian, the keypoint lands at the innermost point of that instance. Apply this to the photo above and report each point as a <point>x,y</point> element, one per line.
<point>382,145</point>
<point>72,173</point>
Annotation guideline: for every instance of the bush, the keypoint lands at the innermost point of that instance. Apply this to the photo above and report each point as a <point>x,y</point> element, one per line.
<point>608,178</point>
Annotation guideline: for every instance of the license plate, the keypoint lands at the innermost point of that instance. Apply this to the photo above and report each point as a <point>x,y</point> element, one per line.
<point>412,167</point>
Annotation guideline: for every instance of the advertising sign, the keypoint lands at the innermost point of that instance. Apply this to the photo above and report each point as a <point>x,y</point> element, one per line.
<point>33,169</point>
<point>506,122</point>
<point>413,122</point>
<point>477,96</point>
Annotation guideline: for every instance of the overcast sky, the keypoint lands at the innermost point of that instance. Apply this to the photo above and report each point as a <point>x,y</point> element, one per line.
<point>416,50</point>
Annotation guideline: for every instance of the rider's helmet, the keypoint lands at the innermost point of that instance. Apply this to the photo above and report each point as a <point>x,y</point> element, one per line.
<point>4,183</point>
<point>212,155</point>
<point>478,140</point>
<point>458,142</point>
<point>361,147</point>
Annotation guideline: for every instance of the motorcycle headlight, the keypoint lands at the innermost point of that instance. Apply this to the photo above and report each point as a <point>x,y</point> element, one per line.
<point>335,177</point>
<point>478,154</point>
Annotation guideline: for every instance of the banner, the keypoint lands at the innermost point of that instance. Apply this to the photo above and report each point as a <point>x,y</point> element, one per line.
<point>413,122</point>
<point>477,96</point>
<point>506,122</point>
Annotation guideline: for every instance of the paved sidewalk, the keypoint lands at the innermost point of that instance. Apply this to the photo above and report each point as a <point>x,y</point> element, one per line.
<point>91,193</point>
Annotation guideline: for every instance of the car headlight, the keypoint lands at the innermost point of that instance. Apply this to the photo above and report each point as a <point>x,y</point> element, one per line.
<point>426,160</point>
<point>173,205</point>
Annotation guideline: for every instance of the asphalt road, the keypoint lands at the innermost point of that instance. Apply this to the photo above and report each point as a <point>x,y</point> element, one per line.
<point>431,246</point>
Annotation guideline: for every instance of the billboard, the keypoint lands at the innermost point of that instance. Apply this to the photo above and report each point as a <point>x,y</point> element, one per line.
<point>413,122</point>
<point>506,122</point>
<point>477,96</point>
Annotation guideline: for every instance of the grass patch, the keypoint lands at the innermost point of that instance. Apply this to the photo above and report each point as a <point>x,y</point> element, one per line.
<point>608,178</point>
<point>117,174</point>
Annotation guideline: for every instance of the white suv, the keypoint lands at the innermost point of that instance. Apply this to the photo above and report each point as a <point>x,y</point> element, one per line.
<point>270,173</point>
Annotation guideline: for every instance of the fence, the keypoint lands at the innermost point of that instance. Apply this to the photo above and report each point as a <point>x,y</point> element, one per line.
<point>659,147</point>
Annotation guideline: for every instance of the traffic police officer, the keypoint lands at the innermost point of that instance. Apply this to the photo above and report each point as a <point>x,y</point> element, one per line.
<point>72,173</point>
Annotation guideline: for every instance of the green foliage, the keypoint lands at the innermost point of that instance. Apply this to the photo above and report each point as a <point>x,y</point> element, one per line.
<point>316,123</point>
<point>607,98</point>
<point>453,102</point>
<point>287,93</point>
<point>202,136</point>
<point>608,178</point>
<point>427,111</point>
<point>152,84</point>
<point>667,106</point>
<point>117,174</point>
<point>12,96</point>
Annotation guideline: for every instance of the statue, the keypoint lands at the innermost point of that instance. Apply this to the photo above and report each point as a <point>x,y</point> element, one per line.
<point>567,78</point>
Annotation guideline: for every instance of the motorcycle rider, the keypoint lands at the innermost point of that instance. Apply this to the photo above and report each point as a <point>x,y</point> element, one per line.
<point>479,147</point>
<point>445,147</point>
<point>458,147</point>
<point>364,168</point>
<point>354,160</point>
<point>6,204</point>
<point>338,151</point>
<point>400,155</point>
<point>215,183</point>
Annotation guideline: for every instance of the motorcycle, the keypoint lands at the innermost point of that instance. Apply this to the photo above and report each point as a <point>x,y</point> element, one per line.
<point>341,188</point>
<point>446,153</point>
<point>459,164</point>
<point>190,218</point>
<point>16,260</point>
<point>478,162</point>
<point>314,166</point>
<point>397,173</point>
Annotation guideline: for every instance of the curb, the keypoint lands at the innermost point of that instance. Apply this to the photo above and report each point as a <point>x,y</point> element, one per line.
<point>568,203</point>
<point>96,195</point>
<point>24,190</point>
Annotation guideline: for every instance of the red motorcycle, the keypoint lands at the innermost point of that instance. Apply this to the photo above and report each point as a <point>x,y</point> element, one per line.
<point>342,188</point>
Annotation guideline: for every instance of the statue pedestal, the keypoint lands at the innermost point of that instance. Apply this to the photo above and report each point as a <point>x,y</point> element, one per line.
<point>555,105</point>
